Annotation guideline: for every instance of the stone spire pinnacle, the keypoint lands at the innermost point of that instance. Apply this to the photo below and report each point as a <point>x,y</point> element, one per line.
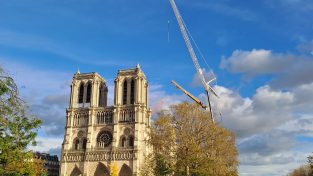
<point>138,66</point>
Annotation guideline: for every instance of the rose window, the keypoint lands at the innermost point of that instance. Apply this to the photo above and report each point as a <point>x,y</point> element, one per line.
<point>104,139</point>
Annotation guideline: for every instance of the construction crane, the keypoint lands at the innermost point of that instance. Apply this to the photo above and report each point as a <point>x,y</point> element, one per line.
<point>205,83</point>
<point>190,95</point>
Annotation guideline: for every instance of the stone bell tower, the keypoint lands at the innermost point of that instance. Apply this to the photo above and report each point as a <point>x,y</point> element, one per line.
<point>97,135</point>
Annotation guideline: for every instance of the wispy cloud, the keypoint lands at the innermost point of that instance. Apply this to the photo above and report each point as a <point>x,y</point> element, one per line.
<point>64,49</point>
<point>224,8</point>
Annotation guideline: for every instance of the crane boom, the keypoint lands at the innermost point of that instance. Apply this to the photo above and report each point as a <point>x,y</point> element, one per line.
<point>190,95</point>
<point>192,53</point>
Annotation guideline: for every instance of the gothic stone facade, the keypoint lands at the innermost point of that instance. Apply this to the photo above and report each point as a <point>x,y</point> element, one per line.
<point>97,135</point>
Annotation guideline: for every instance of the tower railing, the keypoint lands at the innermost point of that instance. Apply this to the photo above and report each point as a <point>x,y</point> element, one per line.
<point>127,115</point>
<point>105,116</point>
<point>81,119</point>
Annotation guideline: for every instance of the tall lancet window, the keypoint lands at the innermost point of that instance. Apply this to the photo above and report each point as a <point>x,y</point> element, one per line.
<point>84,143</point>
<point>125,92</point>
<point>88,96</point>
<point>132,92</point>
<point>81,93</point>
<point>131,141</point>
<point>101,96</point>
<point>76,144</point>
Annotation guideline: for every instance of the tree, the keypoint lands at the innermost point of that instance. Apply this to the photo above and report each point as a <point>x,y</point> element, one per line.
<point>304,170</point>
<point>114,169</point>
<point>186,142</point>
<point>38,164</point>
<point>310,162</point>
<point>18,129</point>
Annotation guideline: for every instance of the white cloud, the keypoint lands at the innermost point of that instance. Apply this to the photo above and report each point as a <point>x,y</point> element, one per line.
<point>160,100</point>
<point>208,75</point>
<point>45,92</point>
<point>288,70</point>
<point>44,144</point>
<point>224,8</point>
<point>267,109</point>
<point>255,62</point>
<point>268,126</point>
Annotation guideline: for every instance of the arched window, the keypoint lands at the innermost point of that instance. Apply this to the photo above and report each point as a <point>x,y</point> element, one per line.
<point>88,96</point>
<point>123,142</point>
<point>132,92</point>
<point>131,141</point>
<point>84,144</point>
<point>81,93</point>
<point>125,92</point>
<point>76,144</point>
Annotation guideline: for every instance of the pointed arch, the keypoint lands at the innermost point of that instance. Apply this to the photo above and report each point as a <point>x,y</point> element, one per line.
<point>125,171</point>
<point>125,92</point>
<point>88,95</point>
<point>123,141</point>
<point>132,92</point>
<point>102,170</point>
<point>76,172</point>
<point>81,93</point>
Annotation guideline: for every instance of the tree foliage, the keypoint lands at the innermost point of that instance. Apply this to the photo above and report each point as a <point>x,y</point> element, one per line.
<point>310,162</point>
<point>18,129</point>
<point>186,142</point>
<point>305,170</point>
<point>113,169</point>
<point>37,164</point>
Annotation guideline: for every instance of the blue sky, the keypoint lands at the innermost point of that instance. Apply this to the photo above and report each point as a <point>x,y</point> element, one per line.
<point>261,52</point>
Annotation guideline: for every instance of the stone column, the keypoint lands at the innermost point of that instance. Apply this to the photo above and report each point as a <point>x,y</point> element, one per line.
<point>95,94</point>
<point>141,90</point>
<point>116,90</point>
<point>147,93</point>
<point>74,95</point>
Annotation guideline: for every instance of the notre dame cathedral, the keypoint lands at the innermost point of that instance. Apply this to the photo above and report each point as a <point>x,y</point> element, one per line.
<point>98,136</point>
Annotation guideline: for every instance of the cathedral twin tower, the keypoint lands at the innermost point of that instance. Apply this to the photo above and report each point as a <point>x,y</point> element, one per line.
<point>97,135</point>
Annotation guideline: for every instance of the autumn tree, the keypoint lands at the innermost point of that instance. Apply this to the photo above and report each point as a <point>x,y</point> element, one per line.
<point>186,142</point>
<point>310,162</point>
<point>113,169</point>
<point>18,129</point>
<point>37,165</point>
<point>304,170</point>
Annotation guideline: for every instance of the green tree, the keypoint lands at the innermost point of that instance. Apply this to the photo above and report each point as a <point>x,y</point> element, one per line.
<point>186,142</point>
<point>18,129</point>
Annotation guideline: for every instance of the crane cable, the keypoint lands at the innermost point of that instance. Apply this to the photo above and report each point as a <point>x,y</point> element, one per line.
<point>203,58</point>
<point>197,48</point>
